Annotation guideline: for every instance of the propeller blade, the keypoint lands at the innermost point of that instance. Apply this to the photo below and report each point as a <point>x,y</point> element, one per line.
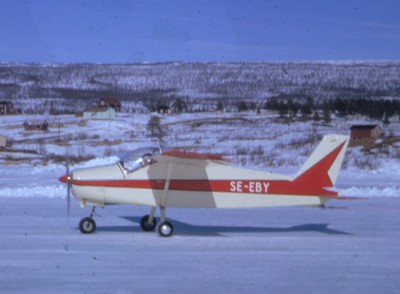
<point>67,167</point>
<point>68,181</point>
<point>69,197</point>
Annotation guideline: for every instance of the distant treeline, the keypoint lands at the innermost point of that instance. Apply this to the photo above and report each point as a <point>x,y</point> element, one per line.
<point>373,108</point>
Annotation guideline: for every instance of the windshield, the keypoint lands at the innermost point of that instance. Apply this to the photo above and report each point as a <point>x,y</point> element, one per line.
<point>139,158</point>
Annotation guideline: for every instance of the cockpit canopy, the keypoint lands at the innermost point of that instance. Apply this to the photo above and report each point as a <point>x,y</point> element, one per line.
<point>139,158</point>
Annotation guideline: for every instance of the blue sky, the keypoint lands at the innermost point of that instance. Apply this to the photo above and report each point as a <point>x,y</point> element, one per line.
<point>129,31</point>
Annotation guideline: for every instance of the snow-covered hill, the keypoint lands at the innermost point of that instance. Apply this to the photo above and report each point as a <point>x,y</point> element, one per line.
<point>200,83</point>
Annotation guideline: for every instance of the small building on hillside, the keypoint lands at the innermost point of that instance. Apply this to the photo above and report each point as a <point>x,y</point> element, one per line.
<point>6,107</point>
<point>361,132</point>
<point>102,113</point>
<point>36,126</point>
<point>164,109</point>
<point>3,142</point>
<point>109,102</point>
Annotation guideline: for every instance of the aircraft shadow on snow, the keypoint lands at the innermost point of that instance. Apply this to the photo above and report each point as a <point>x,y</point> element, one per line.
<point>185,229</point>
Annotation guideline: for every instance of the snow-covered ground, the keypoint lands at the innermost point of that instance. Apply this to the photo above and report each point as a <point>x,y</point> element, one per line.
<point>349,247</point>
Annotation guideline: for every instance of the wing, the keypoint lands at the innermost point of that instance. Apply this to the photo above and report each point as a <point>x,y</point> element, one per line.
<point>175,172</point>
<point>178,155</point>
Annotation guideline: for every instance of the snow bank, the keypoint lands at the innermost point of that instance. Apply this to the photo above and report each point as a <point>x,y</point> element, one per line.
<point>370,192</point>
<point>47,191</point>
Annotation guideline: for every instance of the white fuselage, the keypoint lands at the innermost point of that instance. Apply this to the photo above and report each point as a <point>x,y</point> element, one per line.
<point>187,184</point>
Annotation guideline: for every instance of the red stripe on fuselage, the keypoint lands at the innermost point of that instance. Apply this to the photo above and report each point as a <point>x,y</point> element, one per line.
<point>277,187</point>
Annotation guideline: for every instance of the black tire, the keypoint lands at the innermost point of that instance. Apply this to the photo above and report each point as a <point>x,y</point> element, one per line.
<point>144,224</point>
<point>165,229</point>
<point>87,225</point>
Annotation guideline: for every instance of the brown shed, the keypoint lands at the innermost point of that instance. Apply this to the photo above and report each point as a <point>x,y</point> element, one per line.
<point>359,132</point>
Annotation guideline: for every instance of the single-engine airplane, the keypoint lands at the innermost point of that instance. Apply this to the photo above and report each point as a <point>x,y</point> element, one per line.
<point>156,178</point>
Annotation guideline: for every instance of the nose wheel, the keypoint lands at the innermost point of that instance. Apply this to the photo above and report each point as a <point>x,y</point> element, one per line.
<point>87,225</point>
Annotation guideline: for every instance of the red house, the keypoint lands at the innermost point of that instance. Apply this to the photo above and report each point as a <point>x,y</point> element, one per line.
<point>359,132</point>
<point>109,102</point>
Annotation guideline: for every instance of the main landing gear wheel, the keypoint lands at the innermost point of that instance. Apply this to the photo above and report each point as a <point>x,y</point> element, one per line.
<point>87,225</point>
<point>165,229</point>
<point>146,225</point>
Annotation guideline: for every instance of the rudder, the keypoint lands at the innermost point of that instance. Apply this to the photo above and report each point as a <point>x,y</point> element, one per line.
<point>323,166</point>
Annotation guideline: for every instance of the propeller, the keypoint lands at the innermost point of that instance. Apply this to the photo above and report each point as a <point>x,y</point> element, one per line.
<point>68,180</point>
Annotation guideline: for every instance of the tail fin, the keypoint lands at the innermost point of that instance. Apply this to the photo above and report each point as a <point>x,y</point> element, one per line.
<point>322,167</point>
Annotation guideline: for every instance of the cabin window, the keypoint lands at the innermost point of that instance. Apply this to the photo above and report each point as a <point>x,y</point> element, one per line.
<point>139,158</point>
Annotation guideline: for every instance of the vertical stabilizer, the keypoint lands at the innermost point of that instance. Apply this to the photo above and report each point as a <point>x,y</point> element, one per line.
<point>323,166</point>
